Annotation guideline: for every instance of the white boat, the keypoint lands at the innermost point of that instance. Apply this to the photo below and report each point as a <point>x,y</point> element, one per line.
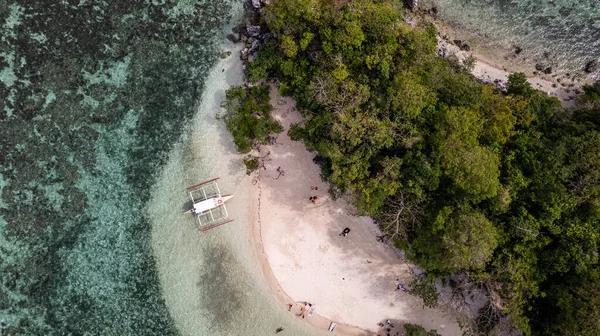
<point>208,204</point>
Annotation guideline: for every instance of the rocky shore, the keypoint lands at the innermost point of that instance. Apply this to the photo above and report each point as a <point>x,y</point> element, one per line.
<point>252,32</point>
<point>543,73</point>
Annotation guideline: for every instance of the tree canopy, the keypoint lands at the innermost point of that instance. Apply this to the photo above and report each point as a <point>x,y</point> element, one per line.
<point>501,185</point>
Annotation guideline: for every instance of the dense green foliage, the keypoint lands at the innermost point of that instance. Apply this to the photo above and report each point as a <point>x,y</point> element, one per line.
<point>417,330</point>
<point>504,187</point>
<point>424,288</point>
<point>248,118</point>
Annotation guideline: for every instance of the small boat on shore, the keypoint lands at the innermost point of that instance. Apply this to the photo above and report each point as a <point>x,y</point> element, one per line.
<point>208,204</point>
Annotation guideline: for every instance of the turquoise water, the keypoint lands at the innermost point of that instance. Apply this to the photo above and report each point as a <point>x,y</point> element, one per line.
<point>562,34</point>
<point>108,114</point>
<point>95,94</point>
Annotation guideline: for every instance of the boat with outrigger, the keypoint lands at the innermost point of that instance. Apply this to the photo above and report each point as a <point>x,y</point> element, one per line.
<point>209,205</point>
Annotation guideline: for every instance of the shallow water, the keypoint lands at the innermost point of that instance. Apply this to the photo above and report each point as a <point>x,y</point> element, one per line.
<point>94,95</point>
<point>561,34</point>
<point>212,282</point>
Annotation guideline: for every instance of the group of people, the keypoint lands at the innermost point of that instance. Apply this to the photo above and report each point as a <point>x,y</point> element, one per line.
<point>313,198</point>
<point>345,232</point>
<point>307,309</point>
<point>388,328</point>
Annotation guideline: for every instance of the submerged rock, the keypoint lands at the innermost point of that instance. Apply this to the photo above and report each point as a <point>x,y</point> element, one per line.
<point>591,66</point>
<point>462,45</point>
<point>233,37</point>
<point>518,50</point>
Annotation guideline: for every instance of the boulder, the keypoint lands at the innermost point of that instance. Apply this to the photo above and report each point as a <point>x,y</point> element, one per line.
<point>266,37</point>
<point>253,30</point>
<point>548,70</point>
<point>244,54</point>
<point>255,45</point>
<point>256,4</point>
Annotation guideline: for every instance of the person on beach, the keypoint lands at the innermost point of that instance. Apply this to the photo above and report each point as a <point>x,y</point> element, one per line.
<point>314,198</point>
<point>278,330</point>
<point>345,232</point>
<point>400,287</point>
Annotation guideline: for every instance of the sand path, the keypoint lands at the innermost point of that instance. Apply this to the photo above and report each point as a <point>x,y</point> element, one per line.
<point>350,280</point>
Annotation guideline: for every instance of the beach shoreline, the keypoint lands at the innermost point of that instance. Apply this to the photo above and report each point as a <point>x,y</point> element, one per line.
<point>350,280</point>
<point>317,321</point>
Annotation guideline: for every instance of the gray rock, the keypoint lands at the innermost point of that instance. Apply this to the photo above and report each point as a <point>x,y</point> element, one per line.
<point>255,45</point>
<point>266,37</point>
<point>281,101</point>
<point>256,4</point>
<point>244,54</point>
<point>253,30</point>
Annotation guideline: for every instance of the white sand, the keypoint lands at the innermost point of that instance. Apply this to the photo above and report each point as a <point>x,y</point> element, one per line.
<point>352,279</point>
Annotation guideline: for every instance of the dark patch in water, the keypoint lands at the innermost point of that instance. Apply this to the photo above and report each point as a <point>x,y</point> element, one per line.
<point>222,300</point>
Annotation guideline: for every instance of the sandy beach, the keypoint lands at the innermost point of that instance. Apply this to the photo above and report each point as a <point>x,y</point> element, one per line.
<point>349,279</point>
